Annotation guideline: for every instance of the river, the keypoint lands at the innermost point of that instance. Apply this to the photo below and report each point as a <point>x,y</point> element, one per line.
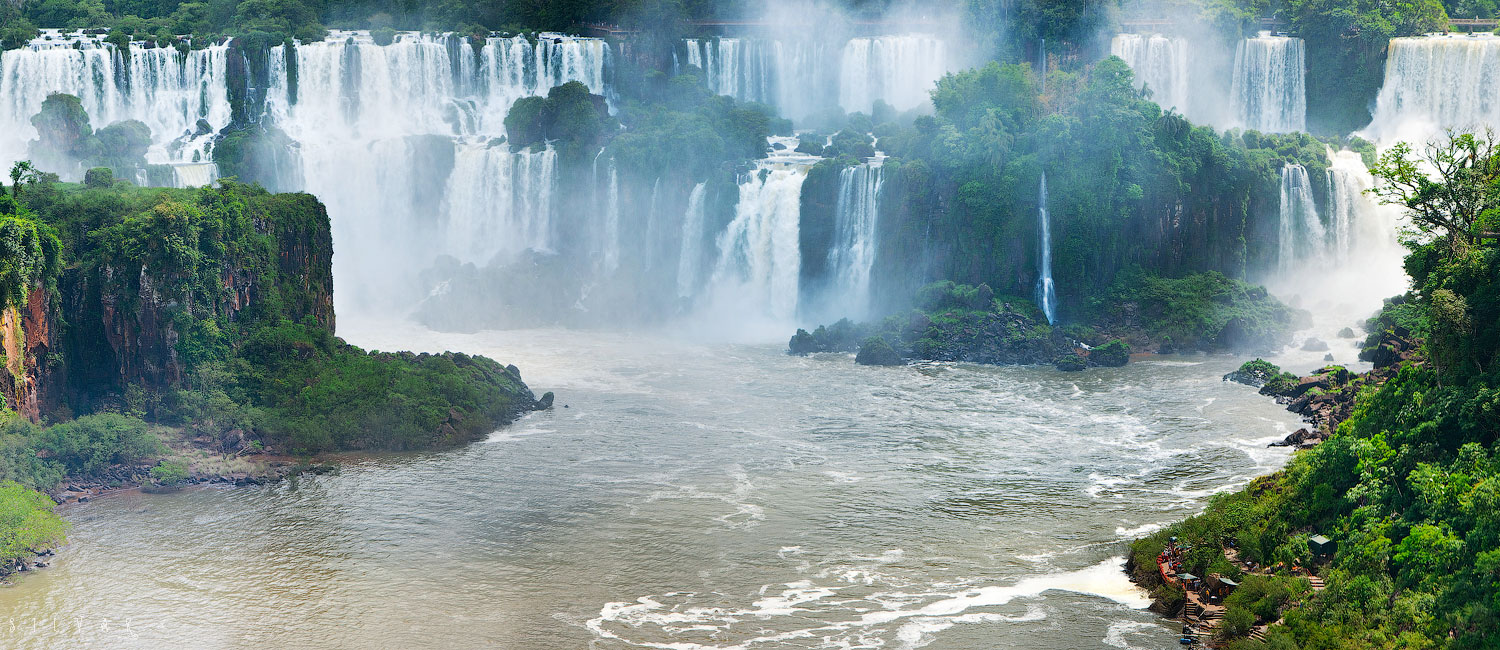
<point>688,495</point>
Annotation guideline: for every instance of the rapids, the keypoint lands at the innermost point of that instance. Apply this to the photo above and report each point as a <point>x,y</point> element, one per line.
<point>689,495</point>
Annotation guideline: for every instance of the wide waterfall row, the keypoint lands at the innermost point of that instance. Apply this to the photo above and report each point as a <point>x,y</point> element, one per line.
<point>168,91</point>
<point>1269,91</point>
<point>423,84</point>
<point>795,77</point>
<point>1160,64</point>
<point>1433,83</point>
<point>404,142</point>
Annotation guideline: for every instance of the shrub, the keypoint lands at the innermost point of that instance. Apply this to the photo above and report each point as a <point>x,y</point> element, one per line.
<point>89,445</point>
<point>27,523</point>
<point>169,472</point>
<point>99,177</point>
<point>383,36</point>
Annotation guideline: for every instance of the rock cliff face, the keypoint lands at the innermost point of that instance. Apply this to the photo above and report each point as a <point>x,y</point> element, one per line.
<point>124,321</point>
<point>28,336</point>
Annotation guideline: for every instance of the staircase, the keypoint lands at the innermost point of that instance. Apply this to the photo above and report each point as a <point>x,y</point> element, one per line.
<point>1258,633</point>
<point>1317,583</point>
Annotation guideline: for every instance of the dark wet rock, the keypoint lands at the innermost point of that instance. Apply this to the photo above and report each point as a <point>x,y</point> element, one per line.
<point>1346,333</point>
<point>545,402</point>
<point>1328,357</point>
<point>802,343</point>
<point>1315,345</point>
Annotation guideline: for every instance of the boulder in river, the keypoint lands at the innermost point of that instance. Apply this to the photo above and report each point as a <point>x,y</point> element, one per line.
<point>1346,333</point>
<point>1315,345</point>
<point>876,352</point>
<point>1113,354</point>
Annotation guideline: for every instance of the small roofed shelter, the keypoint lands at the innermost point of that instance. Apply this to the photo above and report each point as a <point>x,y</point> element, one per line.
<point>1321,546</point>
<point>1219,586</point>
<point>1189,581</point>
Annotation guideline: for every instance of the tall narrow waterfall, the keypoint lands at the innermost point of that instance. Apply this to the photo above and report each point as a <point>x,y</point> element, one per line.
<point>1268,91</point>
<point>1046,292</point>
<point>612,220</point>
<point>168,91</point>
<point>690,255</point>
<point>1160,64</point>
<point>1433,83</point>
<point>759,258</point>
<point>856,216</point>
<point>1301,236</point>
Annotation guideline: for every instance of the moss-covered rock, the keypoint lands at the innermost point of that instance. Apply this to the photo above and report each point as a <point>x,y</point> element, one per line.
<point>876,352</point>
<point>1070,362</point>
<point>1113,354</point>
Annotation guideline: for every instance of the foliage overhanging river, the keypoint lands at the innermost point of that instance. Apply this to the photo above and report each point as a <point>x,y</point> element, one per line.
<point>691,495</point>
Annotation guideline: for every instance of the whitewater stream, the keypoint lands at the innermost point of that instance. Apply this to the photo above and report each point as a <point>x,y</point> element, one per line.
<point>689,495</point>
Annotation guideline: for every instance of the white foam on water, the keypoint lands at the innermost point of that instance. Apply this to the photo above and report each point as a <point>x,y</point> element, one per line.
<point>1118,630</point>
<point>917,616</point>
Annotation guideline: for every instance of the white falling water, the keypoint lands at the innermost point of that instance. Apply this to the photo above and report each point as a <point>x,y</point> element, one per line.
<point>512,68</point>
<point>1301,237</point>
<point>1268,90</point>
<point>498,202</point>
<point>856,216</point>
<point>402,143</point>
<point>691,252</point>
<point>1434,83</point>
<point>167,90</point>
<point>899,70</point>
<point>759,259</point>
<point>1045,288</point>
<point>1160,64</point>
<point>612,220</point>
<point>194,174</point>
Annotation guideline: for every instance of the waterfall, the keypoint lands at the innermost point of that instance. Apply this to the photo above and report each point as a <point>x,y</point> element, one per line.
<point>403,143</point>
<point>759,260</point>
<point>1045,289</point>
<point>1301,236</point>
<point>194,174</point>
<point>692,242</point>
<point>1433,83</point>
<point>167,90</point>
<point>612,220</point>
<point>1160,64</point>
<point>853,253</point>
<point>1268,90</point>
<point>899,70</point>
<point>499,202</point>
